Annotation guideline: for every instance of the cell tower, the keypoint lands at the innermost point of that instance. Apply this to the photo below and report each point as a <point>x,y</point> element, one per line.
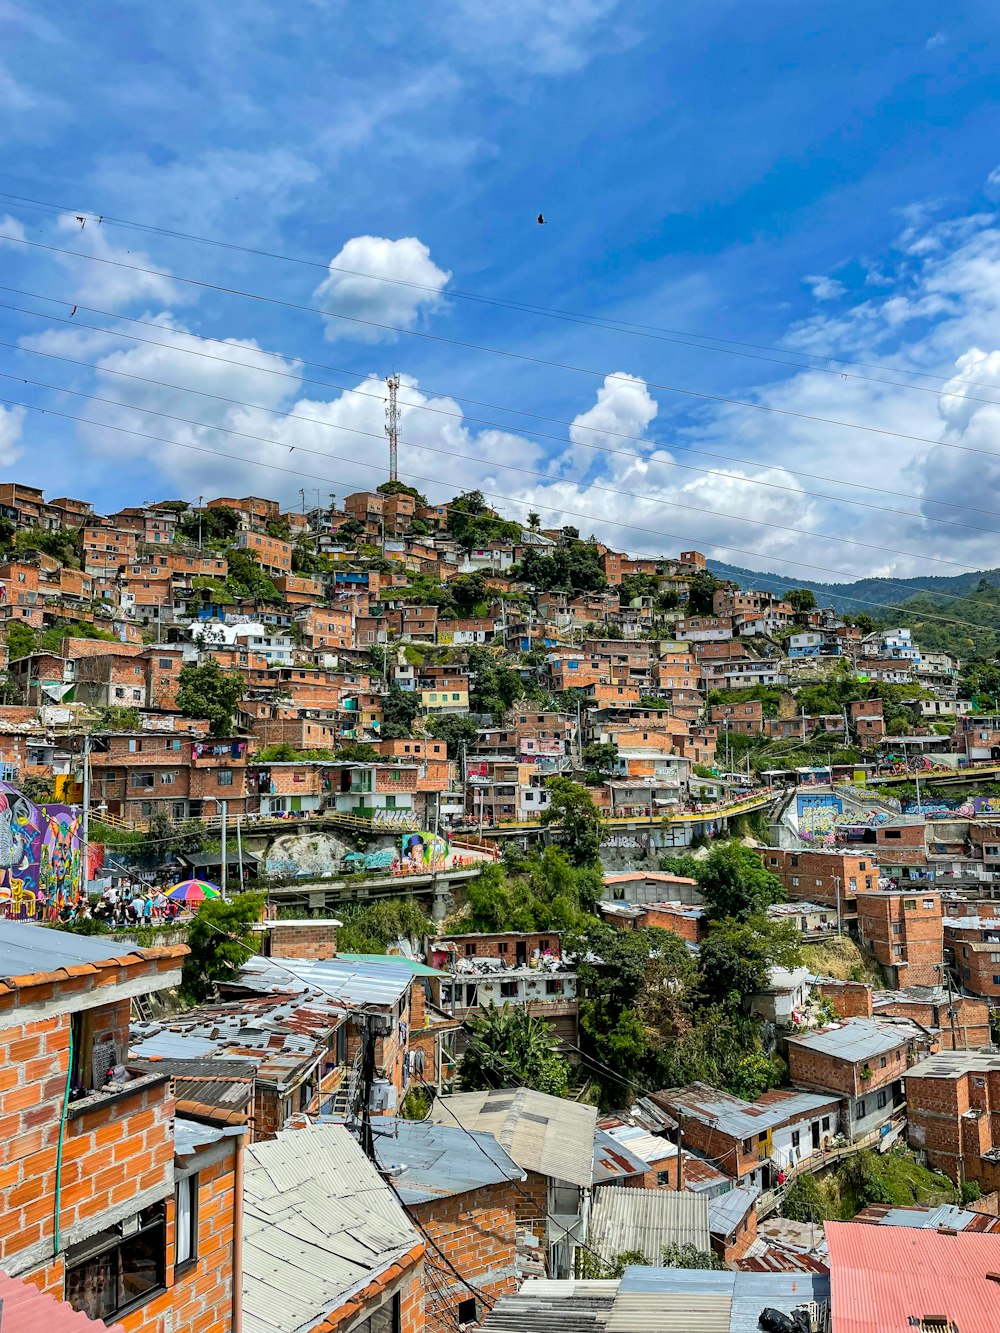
<point>392,424</point>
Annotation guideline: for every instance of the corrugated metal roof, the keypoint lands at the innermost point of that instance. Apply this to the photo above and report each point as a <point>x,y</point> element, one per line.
<point>440,1160</point>
<point>669,1312</point>
<point>731,1115</point>
<point>859,1038</point>
<point>944,1215</point>
<point>646,1221</point>
<point>319,1224</point>
<point>192,1135</point>
<point>416,966</point>
<point>613,1160</point>
<point>380,981</point>
<point>910,1274</point>
<point>650,1148</point>
<point>949,1064</point>
<point>727,1211</point>
<point>550,1135</point>
<point>26,1309</point>
<point>25,949</point>
<point>546,1306</point>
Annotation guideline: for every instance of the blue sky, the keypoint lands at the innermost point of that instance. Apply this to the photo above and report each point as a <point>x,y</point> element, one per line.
<point>811,180</point>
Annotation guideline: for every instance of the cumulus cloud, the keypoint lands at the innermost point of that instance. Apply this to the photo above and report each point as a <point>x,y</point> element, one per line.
<point>938,39</point>
<point>405,283</point>
<point>823,288</point>
<point>99,280</point>
<point>993,182</point>
<point>624,407</point>
<point>11,427</point>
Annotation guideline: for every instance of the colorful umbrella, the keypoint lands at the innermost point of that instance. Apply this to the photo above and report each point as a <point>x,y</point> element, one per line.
<point>193,891</point>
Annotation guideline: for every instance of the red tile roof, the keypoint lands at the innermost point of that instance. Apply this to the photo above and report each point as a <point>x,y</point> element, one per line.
<point>907,1275</point>
<point>28,1310</point>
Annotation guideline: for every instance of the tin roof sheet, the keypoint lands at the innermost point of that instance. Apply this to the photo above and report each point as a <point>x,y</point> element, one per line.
<point>727,1211</point>
<point>946,1215</point>
<point>546,1306</point>
<point>440,1160</point>
<point>614,1160</point>
<point>858,1038</point>
<point>319,1224</point>
<point>550,1135</point>
<point>650,1148</point>
<point>735,1117</point>
<point>26,1309</point>
<point>381,981</point>
<point>190,1136</point>
<point>646,1221</point>
<point>26,950</point>
<point>950,1064</point>
<point>912,1274</point>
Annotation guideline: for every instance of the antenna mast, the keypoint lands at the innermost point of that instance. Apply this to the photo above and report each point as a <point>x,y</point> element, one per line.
<point>392,424</point>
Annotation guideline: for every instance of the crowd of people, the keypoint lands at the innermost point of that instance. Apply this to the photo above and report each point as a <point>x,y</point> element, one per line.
<point>117,907</point>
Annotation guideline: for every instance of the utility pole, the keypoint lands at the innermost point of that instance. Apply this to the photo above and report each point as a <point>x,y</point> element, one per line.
<point>392,425</point>
<point>367,1079</point>
<point>85,820</point>
<point>802,729</point>
<point>200,500</point>
<point>222,807</point>
<point>840,929</point>
<point>239,850</point>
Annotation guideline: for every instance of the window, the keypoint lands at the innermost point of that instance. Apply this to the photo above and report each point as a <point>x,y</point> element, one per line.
<point>897,928</point>
<point>470,951</point>
<point>927,904</point>
<point>142,781</point>
<point>167,779</point>
<point>224,777</point>
<point>861,1110</point>
<point>383,1320</point>
<point>880,1099</point>
<point>553,987</point>
<point>508,989</point>
<point>186,1221</point>
<point>664,1178</point>
<point>909,904</point>
<point>795,881</point>
<point>467,1313</point>
<point>501,948</point>
<point>796,1137</point>
<point>882,1062</point>
<point>115,1270</point>
<point>826,1122</point>
<point>979,1082</point>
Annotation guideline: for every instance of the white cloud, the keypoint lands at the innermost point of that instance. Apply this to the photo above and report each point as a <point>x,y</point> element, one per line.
<point>99,280</point>
<point>993,182</point>
<point>823,288</point>
<point>938,39</point>
<point>12,230</point>
<point>404,284</point>
<point>537,35</point>
<point>624,407</point>
<point>11,426</point>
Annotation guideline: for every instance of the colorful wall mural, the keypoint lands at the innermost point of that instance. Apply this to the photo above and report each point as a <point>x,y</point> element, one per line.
<point>40,852</point>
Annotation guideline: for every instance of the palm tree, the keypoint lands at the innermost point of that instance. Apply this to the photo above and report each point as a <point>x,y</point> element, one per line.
<point>509,1048</point>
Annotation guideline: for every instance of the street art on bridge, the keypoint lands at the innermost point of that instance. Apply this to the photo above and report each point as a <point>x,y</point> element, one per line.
<point>40,851</point>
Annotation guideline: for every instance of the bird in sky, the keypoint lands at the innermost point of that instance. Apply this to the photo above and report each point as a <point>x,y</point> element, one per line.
<point>540,220</point>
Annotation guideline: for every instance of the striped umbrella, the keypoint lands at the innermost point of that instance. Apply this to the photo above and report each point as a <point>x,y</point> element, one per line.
<point>193,891</point>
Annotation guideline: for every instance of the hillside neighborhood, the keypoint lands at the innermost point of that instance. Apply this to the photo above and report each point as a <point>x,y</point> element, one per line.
<point>413,920</point>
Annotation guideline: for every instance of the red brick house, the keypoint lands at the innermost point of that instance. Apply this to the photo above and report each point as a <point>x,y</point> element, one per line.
<point>904,931</point>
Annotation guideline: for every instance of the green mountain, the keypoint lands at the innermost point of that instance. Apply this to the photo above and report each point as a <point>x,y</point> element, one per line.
<point>957,613</point>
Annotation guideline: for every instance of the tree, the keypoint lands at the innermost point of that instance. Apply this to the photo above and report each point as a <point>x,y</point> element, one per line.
<point>535,521</point>
<point>734,882</point>
<point>210,693</point>
<point>509,1048</point>
<point>572,811</point>
<point>20,640</point>
<point>454,729</point>
<point>116,719</point>
<point>735,960</point>
<point>801,599</point>
<point>601,755</point>
<point>682,1254</point>
<point>401,488</point>
<point>805,1201</point>
<point>247,581</point>
<point>210,525</point>
<point>400,707</point>
<point>702,587</point>
<point>360,751</point>
<point>218,942</point>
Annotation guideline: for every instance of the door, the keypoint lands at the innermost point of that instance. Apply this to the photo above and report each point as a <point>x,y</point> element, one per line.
<point>521,953</point>
<point>815,1134</point>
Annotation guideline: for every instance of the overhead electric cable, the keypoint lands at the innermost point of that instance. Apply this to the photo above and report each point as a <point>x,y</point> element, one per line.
<point>500,426</point>
<point>524,357</point>
<point>509,467</point>
<point>707,342</point>
<point>684,540</point>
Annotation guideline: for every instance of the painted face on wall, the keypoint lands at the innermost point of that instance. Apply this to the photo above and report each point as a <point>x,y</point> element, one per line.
<point>15,830</point>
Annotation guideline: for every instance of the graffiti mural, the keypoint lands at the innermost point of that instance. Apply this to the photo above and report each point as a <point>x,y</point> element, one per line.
<point>39,851</point>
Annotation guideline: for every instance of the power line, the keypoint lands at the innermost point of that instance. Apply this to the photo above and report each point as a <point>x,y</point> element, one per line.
<point>699,341</point>
<point>461,417</point>
<point>427,448</point>
<point>557,509</point>
<point>458,397</point>
<point>700,395</point>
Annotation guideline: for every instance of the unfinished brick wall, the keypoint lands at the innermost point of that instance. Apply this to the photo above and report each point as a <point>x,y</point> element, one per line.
<point>905,933</point>
<point>202,1295</point>
<point>476,1232</point>
<point>810,1068</point>
<point>302,940</point>
<point>733,1247</point>
<point>851,999</point>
